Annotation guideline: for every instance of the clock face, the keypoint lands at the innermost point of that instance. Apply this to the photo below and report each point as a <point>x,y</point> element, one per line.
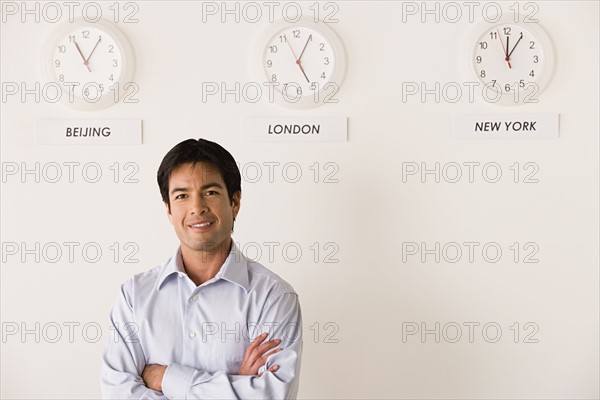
<point>304,63</point>
<point>512,60</point>
<point>91,62</point>
<point>90,57</point>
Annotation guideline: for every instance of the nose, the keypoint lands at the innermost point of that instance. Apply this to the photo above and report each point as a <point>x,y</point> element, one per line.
<point>199,205</point>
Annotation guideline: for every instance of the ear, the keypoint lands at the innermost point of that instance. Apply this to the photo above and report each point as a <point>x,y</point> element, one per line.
<point>168,209</point>
<point>235,203</point>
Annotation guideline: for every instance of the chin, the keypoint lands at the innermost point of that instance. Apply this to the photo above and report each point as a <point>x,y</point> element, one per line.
<point>205,246</point>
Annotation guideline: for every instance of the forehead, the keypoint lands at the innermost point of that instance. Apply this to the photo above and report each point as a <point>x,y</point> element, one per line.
<point>195,173</point>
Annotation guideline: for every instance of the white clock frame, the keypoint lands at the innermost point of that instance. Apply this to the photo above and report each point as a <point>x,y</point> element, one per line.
<point>339,68</point>
<point>510,98</point>
<point>109,97</point>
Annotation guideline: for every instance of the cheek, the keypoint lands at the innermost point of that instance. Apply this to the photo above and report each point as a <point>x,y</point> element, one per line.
<point>176,215</point>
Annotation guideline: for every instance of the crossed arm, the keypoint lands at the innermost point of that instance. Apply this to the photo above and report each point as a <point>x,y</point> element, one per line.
<point>266,371</point>
<point>256,356</point>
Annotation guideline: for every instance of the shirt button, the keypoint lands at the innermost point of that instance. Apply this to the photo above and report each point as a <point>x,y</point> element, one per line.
<point>195,297</point>
<point>192,334</point>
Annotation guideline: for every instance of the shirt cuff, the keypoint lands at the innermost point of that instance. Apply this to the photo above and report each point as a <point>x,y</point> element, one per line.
<point>176,381</point>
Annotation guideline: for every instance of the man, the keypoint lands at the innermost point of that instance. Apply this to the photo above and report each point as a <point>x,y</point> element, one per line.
<point>191,328</point>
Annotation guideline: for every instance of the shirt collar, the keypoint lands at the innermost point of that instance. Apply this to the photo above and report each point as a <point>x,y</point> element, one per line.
<point>234,269</point>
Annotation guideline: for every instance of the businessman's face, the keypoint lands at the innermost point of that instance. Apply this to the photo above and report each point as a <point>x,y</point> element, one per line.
<point>201,211</point>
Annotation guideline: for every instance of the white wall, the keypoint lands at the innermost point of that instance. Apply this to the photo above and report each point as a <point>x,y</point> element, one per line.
<point>370,294</point>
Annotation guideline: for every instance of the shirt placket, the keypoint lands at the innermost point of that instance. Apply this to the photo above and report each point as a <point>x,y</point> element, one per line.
<point>191,335</point>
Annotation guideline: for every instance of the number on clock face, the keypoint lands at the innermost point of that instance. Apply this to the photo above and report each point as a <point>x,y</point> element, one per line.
<point>89,57</point>
<point>300,60</point>
<point>509,57</point>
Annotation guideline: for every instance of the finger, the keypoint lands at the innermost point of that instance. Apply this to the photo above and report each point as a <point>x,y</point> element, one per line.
<point>259,339</point>
<point>263,359</point>
<point>263,348</point>
<point>274,368</point>
<point>269,354</point>
<point>257,352</point>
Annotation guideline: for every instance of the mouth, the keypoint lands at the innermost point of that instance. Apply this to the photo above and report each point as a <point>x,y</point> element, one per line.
<point>201,226</point>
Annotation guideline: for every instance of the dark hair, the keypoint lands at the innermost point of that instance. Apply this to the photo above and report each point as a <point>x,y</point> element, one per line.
<point>195,151</point>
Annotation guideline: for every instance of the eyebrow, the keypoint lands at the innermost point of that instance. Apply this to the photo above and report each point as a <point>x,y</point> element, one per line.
<point>203,187</point>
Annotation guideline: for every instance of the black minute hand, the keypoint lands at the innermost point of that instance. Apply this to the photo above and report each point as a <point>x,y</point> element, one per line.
<point>515,46</point>
<point>94,49</point>
<point>306,44</point>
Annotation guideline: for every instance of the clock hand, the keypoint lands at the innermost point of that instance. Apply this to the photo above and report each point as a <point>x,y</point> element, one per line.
<point>521,37</point>
<point>297,59</point>
<point>94,49</point>
<point>292,50</point>
<point>302,69</point>
<point>309,39</point>
<point>507,58</point>
<point>82,57</point>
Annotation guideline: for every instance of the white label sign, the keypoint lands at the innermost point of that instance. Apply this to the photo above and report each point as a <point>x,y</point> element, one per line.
<point>511,126</point>
<point>295,129</point>
<point>88,131</point>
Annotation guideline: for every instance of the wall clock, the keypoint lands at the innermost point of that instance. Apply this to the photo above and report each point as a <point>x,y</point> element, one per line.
<point>305,62</point>
<point>91,62</point>
<point>513,62</point>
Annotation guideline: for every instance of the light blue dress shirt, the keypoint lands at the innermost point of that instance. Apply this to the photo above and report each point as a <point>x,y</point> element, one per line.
<point>202,332</point>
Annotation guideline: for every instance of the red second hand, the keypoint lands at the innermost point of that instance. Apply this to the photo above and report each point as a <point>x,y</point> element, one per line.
<point>507,59</point>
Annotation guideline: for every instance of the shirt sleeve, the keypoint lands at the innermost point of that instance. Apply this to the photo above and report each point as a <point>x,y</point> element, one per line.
<point>123,360</point>
<point>284,320</point>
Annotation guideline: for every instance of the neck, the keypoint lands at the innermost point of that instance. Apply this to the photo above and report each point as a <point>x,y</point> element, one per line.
<point>202,266</point>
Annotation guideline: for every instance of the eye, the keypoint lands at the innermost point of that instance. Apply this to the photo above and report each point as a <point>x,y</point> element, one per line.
<point>180,196</point>
<point>210,193</point>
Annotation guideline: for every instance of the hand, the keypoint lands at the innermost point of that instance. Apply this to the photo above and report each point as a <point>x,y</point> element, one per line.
<point>82,57</point>
<point>153,376</point>
<point>87,61</point>
<point>304,48</point>
<point>298,59</point>
<point>504,49</point>
<point>515,46</point>
<point>256,355</point>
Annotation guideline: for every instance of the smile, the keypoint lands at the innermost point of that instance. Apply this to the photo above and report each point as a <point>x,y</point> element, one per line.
<point>201,225</point>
